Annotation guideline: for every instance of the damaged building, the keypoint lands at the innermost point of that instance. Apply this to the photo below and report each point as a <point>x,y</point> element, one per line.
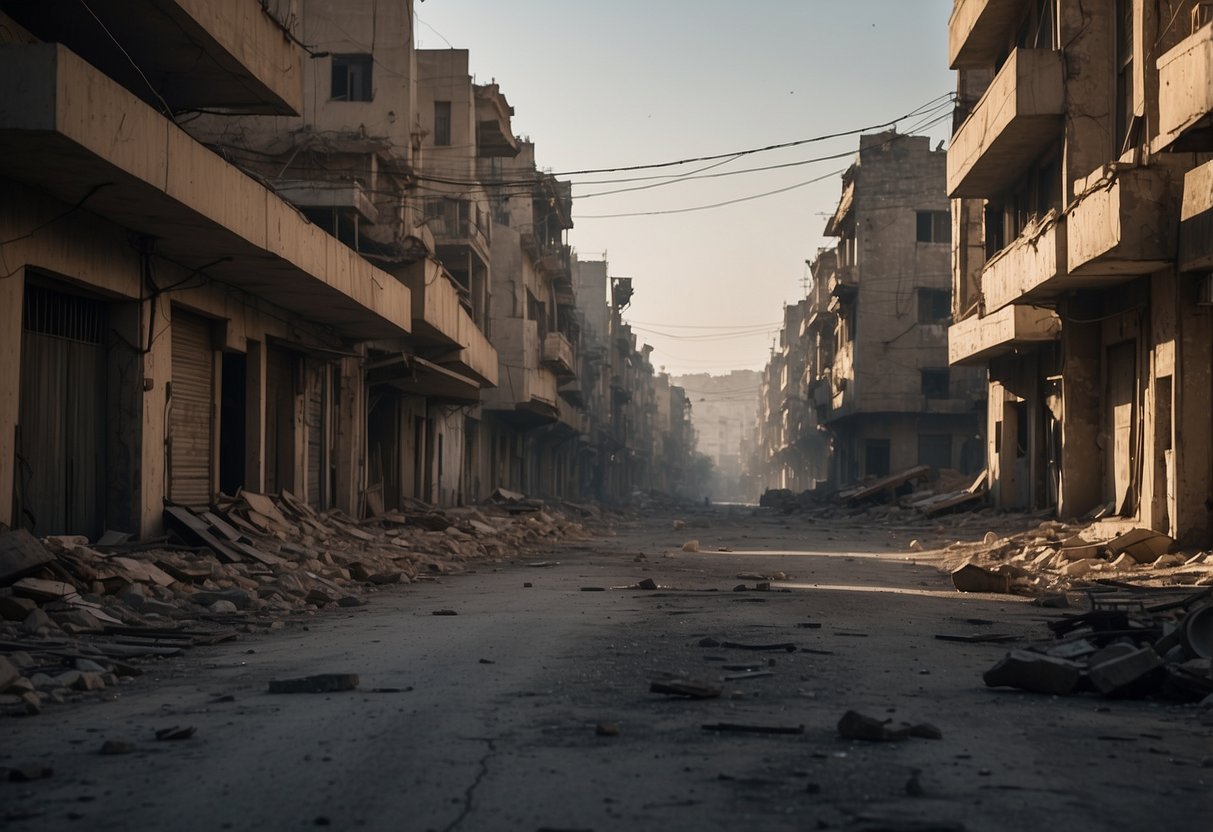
<point>266,260</point>
<point>1082,192</point>
<point>860,385</point>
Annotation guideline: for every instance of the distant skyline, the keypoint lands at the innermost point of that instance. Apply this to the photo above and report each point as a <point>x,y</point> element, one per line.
<point>630,83</point>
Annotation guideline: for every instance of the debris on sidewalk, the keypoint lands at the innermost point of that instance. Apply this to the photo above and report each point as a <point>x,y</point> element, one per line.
<point>740,728</point>
<point>688,688</point>
<point>856,726</point>
<point>248,562</point>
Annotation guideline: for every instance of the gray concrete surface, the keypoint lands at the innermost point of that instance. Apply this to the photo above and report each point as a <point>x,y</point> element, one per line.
<point>486,720</point>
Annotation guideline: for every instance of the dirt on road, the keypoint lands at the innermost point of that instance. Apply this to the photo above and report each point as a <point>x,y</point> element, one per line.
<point>520,695</point>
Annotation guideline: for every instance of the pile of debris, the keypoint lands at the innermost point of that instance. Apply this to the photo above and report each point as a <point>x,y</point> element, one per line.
<point>74,614</point>
<point>922,490</point>
<point>1055,556</point>
<point>1131,644</point>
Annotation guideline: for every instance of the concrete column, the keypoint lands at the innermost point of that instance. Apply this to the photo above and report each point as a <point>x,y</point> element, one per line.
<point>349,436</point>
<point>1193,392</point>
<point>124,426</point>
<point>153,450</point>
<point>12,299</point>
<point>1081,454</point>
<point>254,417</point>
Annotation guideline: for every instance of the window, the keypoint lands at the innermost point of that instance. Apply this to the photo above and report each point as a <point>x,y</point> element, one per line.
<point>934,227</point>
<point>934,306</point>
<point>442,123</point>
<point>935,450</point>
<point>351,77</point>
<point>1125,106</point>
<point>935,384</point>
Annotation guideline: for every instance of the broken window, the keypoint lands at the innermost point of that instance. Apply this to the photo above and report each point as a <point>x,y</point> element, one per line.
<point>876,457</point>
<point>442,123</point>
<point>935,383</point>
<point>934,227</point>
<point>934,306</point>
<point>352,77</point>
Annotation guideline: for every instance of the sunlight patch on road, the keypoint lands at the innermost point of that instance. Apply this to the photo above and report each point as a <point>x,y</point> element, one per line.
<point>892,590</point>
<point>809,553</point>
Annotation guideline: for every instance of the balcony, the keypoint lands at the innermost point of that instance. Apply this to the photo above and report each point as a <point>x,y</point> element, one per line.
<point>435,304</point>
<point>558,355</point>
<point>1185,94</point>
<point>1018,117</point>
<point>343,197</point>
<point>979,30</point>
<point>1196,220</point>
<point>229,54</point>
<point>1032,266</point>
<point>80,137</point>
<point>1123,223</point>
<point>976,340</point>
<point>494,134</point>
<point>456,234</point>
<point>843,282</point>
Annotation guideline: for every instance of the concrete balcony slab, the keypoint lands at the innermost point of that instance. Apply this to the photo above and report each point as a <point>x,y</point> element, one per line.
<point>979,29</point>
<point>1033,265</point>
<point>1017,118</point>
<point>558,355</point>
<point>1124,223</point>
<point>976,340</point>
<point>73,133</point>
<point>1185,94</point>
<point>1196,220</point>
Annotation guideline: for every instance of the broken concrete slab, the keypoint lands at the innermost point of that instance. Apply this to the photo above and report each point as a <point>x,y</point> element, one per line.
<point>973,578</point>
<point>1134,673</point>
<point>1143,545</point>
<point>688,688</point>
<point>20,555</point>
<point>1034,672</point>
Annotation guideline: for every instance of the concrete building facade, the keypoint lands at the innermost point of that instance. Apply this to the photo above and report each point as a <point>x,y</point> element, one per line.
<point>872,351</point>
<point>1081,188</point>
<point>262,260</point>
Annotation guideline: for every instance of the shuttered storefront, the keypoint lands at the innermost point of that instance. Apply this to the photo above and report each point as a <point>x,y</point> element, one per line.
<point>192,412</point>
<point>279,419</point>
<point>60,470</point>
<point>315,424</point>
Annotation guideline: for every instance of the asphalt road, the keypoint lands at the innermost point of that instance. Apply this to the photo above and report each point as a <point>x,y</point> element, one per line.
<point>489,719</point>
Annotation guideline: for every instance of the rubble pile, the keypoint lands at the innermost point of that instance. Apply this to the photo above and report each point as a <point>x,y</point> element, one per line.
<point>921,490</point>
<point>1055,556</point>
<point>1125,647</point>
<point>79,616</point>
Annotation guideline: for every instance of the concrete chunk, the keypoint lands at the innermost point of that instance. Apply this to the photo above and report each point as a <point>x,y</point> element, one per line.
<point>1034,672</point>
<point>1130,674</point>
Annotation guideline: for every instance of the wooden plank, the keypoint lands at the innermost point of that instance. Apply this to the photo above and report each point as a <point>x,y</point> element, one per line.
<point>200,529</point>
<point>21,554</point>
<point>890,482</point>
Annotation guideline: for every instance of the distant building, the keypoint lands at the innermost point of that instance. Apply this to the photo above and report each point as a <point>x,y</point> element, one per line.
<point>723,409</point>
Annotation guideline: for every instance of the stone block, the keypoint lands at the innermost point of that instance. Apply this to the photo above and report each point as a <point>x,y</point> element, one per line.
<point>1034,672</point>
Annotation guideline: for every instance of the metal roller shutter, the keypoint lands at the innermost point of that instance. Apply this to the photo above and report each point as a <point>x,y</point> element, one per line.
<point>191,412</point>
<point>314,420</point>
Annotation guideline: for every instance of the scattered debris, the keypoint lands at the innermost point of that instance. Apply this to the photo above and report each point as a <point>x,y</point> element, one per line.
<point>973,578</point>
<point>786,647</point>
<point>176,732</point>
<point>26,774</point>
<point>688,688</point>
<point>691,546</point>
<point>738,728</point>
<point>444,612</point>
<point>857,726</point>
<point>115,747</point>
<point>606,729</point>
<point>320,683</point>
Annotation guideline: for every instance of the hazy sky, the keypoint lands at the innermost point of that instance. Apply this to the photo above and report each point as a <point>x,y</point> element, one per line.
<point>606,85</point>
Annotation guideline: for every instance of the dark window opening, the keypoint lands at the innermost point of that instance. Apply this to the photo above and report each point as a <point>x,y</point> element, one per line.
<point>934,227</point>
<point>935,384</point>
<point>876,457</point>
<point>442,123</point>
<point>352,77</point>
<point>934,306</point>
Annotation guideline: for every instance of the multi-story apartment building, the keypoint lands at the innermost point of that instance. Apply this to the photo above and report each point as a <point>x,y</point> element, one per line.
<point>374,160</point>
<point>891,401</point>
<point>1082,196</point>
<point>170,325</point>
<point>724,408</point>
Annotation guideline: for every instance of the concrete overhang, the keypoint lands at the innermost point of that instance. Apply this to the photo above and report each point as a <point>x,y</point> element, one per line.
<point>477,358</point>
<point>345,197</point>
<point>1019,116</point>
<point>1196,220</point>
<point>976,340</point>
<point>846,202</point>
<point>1185,94</point>
<point>69,131</point>
<point>418,376</point>
<point>225,54</point>
<point>979,30</point>
<point>1032,266</point>
<point>1123,223</point>
<point>435,304</point>
<point>494,133</point>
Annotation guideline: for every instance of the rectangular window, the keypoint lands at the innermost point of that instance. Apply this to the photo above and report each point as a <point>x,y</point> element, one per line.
<point>352,77</point>
<point>934,227</point>
<point>935,450</point>
<point>935,384</point>
<point>1124,76</point>
<point>442,123</point>
<point>934,306</point>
